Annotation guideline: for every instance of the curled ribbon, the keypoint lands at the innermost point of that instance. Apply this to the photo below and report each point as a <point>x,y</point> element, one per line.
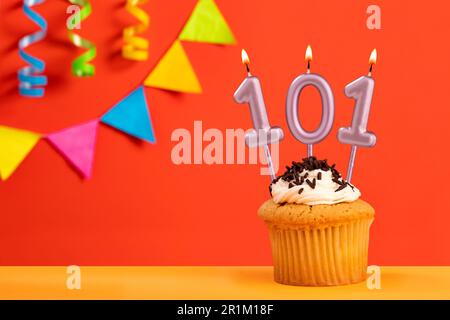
<point>81,66</point>
<point>30,77</point>
<point>136,48</point>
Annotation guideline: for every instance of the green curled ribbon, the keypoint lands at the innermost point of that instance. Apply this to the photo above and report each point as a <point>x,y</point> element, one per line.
<point>81,66</point>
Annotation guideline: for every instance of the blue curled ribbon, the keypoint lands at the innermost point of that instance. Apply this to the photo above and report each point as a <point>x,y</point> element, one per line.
<point>30,78</point>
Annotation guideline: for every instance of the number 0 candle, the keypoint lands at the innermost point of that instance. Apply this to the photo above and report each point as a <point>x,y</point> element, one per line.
<point>263,134</point>
<point>326,95</point>
<point>361,90</point>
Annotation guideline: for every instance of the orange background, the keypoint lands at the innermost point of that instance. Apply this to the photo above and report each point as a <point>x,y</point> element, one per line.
<point>140,209</point>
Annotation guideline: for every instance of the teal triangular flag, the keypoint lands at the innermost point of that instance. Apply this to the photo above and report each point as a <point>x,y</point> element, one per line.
<point>131,115</point>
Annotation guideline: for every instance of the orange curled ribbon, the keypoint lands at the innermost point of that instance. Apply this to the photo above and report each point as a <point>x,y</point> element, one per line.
<point>135,47</point>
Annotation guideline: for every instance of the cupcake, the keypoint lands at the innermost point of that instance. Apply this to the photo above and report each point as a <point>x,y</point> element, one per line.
<point>318,226</point>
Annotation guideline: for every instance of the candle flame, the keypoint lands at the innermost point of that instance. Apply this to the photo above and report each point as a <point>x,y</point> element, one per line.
<point>308,54</point>
<point>373,57</point>
<point>244,56</point>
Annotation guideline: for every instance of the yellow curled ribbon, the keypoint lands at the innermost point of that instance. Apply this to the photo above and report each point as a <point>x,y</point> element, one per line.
<point>136,48</point>
<point>81,66</point>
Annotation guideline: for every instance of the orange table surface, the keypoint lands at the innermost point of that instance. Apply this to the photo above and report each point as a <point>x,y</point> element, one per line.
<point>211,283</point>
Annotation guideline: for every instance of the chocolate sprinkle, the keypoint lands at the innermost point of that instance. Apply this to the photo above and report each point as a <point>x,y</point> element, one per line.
<point>293,174</point>
<point>311,184</point>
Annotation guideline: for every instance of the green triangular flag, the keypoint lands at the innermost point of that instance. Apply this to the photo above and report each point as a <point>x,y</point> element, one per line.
<point>206,24</point>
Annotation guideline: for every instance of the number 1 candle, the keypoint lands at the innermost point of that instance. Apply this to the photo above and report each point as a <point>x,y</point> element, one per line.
<point>263,134</point>
<point>361,90</point>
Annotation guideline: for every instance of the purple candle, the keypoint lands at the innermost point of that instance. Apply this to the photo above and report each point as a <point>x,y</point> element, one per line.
<point>326,95</point>
<point>361,90</point>
<point>263,134</point>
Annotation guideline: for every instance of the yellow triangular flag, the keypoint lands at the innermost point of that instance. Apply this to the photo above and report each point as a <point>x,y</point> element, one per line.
<point>174,72</point>
<point>15,145</point>
<point>206,24</point>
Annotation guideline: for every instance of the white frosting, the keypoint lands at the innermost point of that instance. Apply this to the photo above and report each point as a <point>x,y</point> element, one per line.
<point>323,193</point>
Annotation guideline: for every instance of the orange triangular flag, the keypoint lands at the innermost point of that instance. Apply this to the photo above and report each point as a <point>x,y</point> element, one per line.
<point>174,72</point>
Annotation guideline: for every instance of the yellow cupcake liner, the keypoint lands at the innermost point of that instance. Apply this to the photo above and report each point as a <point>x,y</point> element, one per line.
<point>322,256</point>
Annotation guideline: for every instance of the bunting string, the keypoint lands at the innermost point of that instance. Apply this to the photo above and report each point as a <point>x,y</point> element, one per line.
<point>31,79</point>
<point>135,47</point>
<point>81,66</point>
<point>130,115</point>
<point>174,72</point>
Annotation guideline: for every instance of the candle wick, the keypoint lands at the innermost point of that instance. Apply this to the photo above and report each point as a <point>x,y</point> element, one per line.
<point>248,69</point>
<point>309,67</point>
<point>370,69</point>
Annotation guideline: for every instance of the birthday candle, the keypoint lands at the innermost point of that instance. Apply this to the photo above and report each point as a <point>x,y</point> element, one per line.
<point>263,134</point>
<point>326,95</point>
<point>361,90</point>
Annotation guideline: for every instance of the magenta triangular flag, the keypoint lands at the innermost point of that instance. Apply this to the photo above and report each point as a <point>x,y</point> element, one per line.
<point>77,144</point>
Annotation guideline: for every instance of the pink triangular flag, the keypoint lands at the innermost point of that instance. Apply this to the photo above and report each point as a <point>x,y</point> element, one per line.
<point>77,144</point>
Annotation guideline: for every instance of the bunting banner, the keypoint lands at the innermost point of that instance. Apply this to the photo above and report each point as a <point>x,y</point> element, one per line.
<point>131,116</point>
<point>15,145</point>
<point>77,144</point>
<point>174,72</point>
<point>31,79</point>
<point>135,47</point>
<point>207,24</point>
